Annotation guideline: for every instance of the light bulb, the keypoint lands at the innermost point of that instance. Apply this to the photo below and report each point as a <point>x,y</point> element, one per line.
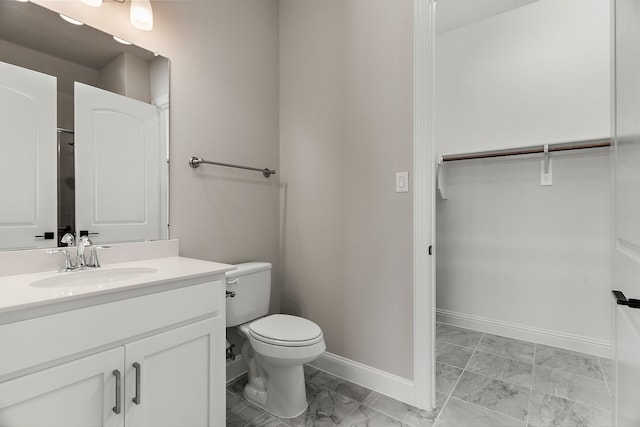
<point>70,20</point>
<point>119,40</point>
<point>92,3</point>
<point>141,14</point>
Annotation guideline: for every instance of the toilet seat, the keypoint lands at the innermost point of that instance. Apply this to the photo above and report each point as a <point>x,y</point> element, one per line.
<point>285,330</point>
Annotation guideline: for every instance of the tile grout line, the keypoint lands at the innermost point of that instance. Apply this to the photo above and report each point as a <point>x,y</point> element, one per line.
<point>346,397</point>
<point>360,404</point>
<point>435,421</point>
<point>533,379</point>
<point>562,397</point>
<point>502,356</point>
<point>578,375</point>
<point>378,410</point>
<point>475,350</point>
<point>490,410</point>
<point>572,400</point>
<point>605,377</point>
<point>572,353</point>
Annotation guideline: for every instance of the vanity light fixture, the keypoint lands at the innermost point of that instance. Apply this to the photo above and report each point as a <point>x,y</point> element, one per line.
<point>141,14</point>
<point>119,40</point>
<point>23,1</point>
<point>92,3</point>
<point>70,20</point>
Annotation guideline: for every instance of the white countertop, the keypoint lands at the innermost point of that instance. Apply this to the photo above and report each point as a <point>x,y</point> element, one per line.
<point>16,292</point>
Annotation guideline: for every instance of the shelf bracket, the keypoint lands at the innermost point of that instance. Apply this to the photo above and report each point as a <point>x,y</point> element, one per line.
<point>440,182</point>
<point>546,177</point>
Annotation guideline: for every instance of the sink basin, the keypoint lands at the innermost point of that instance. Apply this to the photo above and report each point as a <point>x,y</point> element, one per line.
<point>92,277</point>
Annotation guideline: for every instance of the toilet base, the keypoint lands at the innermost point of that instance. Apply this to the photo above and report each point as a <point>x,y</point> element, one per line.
<point>251,397</point>
<point>279,390</point>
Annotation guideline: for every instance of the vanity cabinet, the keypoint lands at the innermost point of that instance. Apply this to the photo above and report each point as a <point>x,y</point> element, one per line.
<point>75,394</point>
<point>152,360</point>
<point>172,381</point>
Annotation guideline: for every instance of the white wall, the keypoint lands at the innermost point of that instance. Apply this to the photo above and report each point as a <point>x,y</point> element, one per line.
<point>534,75</point>
<point>346,128</point>
<point>127,75</point>
<point>522,260</point>
<point>515,258</point>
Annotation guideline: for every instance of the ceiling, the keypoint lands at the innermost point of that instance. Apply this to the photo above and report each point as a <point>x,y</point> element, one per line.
<point>40,29</point>
<point>452,14</point>
<point>79,44</point>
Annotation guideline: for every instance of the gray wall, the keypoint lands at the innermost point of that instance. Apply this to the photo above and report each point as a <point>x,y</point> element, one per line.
<point>343,239</point>
<point>346,128</point>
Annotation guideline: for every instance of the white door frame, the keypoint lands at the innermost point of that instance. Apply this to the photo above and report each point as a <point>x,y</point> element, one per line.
<point>423,203</point>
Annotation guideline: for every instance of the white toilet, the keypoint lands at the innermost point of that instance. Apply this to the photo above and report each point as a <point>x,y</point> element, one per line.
<point>276,346</point>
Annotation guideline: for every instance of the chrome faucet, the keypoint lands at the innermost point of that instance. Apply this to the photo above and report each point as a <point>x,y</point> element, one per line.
<point>81,260</point>
<point>83,243</point>
<point>68,263</point>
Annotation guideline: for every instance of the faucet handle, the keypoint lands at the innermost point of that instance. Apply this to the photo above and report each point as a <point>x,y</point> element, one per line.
<point>68,239</point>
<point>93,261</point>
<point>68,264</point>
<point>85,241</point>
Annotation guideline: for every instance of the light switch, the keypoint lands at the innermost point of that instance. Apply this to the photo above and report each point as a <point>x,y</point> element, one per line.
<point>402,182</point>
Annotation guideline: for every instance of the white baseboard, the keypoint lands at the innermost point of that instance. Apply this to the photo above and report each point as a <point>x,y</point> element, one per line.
<point>564,340</point>
<point>383,382</point>
<point>235,368</point>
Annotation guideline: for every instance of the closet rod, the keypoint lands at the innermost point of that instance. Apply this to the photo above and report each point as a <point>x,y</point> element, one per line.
<point>194,162</point>
<point>529,150</point>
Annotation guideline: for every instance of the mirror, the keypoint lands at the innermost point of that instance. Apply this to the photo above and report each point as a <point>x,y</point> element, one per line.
<point>104,205</point>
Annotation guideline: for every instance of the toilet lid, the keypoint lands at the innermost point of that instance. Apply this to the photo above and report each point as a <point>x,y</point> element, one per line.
<point>283,328</point>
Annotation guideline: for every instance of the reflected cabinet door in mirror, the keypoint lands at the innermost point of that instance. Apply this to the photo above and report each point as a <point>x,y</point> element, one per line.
<point>28,213</point>
<point>117,164</point>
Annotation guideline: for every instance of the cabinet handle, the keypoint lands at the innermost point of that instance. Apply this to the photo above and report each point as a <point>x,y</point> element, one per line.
<point>117,408</point>
<point>137,367</point>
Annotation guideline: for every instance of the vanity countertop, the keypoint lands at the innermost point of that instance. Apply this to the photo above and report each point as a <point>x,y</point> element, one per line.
<point>17,294</point>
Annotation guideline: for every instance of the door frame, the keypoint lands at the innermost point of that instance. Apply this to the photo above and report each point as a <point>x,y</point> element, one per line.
<point>424,203</point>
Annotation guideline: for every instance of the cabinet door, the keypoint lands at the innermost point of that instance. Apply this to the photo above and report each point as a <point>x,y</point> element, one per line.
<point>179,377</point>
<point>81,393</point>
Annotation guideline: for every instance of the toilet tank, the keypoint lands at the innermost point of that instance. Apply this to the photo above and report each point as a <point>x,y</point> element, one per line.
<point>251,282</point>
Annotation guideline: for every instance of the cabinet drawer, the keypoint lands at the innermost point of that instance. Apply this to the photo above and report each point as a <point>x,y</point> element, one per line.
<point>42,340</point>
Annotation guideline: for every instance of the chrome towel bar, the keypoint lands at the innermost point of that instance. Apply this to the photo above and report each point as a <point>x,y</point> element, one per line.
<point>194,162</point>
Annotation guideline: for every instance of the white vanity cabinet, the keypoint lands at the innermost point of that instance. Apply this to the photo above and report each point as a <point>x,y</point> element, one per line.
<point>174,378</point>
<point>75,394</point>
<point>154,358</point>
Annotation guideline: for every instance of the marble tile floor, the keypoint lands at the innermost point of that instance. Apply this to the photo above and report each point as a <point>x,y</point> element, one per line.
<point>481,380</point>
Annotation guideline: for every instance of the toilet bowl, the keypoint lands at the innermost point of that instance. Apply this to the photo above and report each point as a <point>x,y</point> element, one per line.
<point>275,347</point>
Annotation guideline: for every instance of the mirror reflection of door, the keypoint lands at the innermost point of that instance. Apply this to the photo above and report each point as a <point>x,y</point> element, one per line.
<point>28,143</point>
<point>116,133</point>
